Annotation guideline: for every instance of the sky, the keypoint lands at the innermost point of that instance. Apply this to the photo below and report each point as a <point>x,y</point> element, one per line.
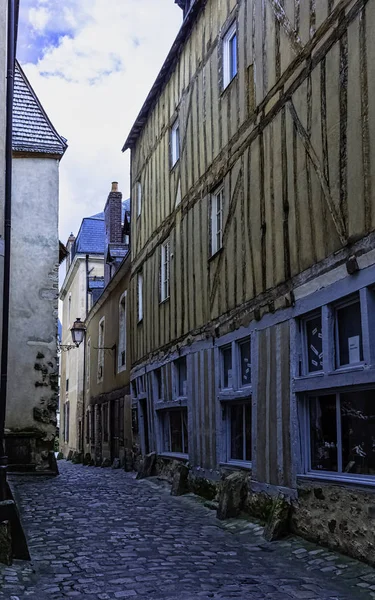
<point>91,64</point>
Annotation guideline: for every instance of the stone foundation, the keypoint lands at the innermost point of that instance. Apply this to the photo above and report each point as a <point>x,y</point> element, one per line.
<point>338,516</point>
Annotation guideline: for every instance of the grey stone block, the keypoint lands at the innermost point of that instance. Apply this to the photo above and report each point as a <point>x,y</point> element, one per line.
<point>232,495</point>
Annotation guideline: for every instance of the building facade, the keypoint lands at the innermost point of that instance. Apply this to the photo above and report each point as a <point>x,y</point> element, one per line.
<point>253,262</point>
<point>94,258</point>
<point>30,425</point>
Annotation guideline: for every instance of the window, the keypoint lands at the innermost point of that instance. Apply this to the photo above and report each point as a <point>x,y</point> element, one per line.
<point>138,195</point>
<point>230,55</point>
<point>175,431</point>
<point>239,432</point>
<point>140,296</point>
<point>342,433</point>
<point>244,350</point>
<point>158,384</point>
<point>140,386</point>
<point>66,422</point>
<point>105,413</point>
<point>181,377</point>
<point>313,346</point>
<point>348,330</point>
<point>164,271</point>
<point>67,385</point>
<point>226,367</point>
<point>175,142</point>
<point>217,220</point>
<point>101,349</point>
<point>121,359</point>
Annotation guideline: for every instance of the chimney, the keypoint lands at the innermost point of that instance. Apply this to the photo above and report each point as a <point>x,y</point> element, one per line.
<point>113,215</point>
<point>113,226</point>
<point>70,249</point>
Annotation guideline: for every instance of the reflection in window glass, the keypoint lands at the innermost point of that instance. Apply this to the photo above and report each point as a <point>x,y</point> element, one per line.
<point>245,362</point>
<point>323,433</point>
<point>227,367</point>
<point>358,432</point>
<point>175,431</point>
<point>349,334</point>
<point>314,344</point>
<point>240,432</point>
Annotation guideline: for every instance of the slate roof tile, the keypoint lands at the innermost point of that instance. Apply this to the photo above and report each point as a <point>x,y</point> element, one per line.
<point>32,129</point>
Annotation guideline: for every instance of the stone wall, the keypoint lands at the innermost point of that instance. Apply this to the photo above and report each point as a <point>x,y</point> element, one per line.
<point>337,516</point>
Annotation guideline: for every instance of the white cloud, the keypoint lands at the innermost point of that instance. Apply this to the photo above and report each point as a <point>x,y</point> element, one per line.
<point>39,18</point>
<point>92,84</point>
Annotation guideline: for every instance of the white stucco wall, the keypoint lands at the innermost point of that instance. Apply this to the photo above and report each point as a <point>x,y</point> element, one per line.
<point>34,296</point>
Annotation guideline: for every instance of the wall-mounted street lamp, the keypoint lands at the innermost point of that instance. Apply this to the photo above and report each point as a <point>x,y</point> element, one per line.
<point>78,333</point>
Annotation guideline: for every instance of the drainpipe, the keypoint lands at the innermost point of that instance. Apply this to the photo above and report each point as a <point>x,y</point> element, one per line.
<point>11,47</point>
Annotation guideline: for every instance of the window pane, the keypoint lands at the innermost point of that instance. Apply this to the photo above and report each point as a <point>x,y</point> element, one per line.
<point>349,334</point>
<point>314,341</point>
<point>227,367</point>
<point>182,377</point>
<point>323,433</point>
<point>233,56</point>
<point>245,366</point>
<point>248,431</point>
<point>236,432</point>
<point>358,432</point>
<point>176,431</point>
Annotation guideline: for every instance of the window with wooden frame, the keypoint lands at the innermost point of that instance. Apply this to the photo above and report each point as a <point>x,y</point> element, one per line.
<point>175,143</point>
<point>230,62</point>
<point>164,275</point>
<point>158,384</point>
<point>180,372</point>
<point>138,197</point>
<point>336,387</point>
<point>101,338</point>
<point>238,422</point>
<point>121,357</point>
<point>174,425</point>
<point>140,296</point>
<point>217,208</point>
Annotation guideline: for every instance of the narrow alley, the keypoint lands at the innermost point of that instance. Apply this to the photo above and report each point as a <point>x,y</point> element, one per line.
<point>100,534</point>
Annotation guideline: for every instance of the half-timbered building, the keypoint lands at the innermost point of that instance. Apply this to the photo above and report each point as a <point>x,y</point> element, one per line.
<point>253,261</point>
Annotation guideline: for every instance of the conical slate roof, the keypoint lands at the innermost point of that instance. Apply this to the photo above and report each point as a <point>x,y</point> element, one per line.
<point>32,129</point>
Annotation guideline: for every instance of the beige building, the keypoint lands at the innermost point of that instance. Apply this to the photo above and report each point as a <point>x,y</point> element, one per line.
<point>253,264</point>
<point>32,396</point>
<point>83,284</point>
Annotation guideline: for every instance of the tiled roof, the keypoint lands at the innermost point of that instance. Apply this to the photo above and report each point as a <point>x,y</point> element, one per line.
<point>91,236</point>
<point>32,129</point>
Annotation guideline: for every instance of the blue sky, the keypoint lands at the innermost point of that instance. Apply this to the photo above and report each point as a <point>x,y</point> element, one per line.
<point>92,63</point>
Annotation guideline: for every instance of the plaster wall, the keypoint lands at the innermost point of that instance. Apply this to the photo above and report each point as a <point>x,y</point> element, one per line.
<point>33,372</point>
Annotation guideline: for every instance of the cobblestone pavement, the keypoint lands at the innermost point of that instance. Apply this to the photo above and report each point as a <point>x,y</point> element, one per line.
<point>99,534</point>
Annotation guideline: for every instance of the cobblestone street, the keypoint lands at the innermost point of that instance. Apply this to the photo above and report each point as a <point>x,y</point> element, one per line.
<point>100,534</point>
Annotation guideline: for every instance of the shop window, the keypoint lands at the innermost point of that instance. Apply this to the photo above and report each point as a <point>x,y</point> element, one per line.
<point>244,348</point>
<point>342,433</point>
<point>348,334</point>
<point>227,368</point>
<point>313,343</point>
<point>175,431</point>
<point>181,376</point>
<point>158,384</point>
<point>239,432</point>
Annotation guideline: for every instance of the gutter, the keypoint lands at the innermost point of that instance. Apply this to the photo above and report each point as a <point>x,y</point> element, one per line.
<point>11,57</point>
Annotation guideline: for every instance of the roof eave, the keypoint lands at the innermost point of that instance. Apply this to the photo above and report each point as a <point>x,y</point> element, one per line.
<point>164,74</point>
